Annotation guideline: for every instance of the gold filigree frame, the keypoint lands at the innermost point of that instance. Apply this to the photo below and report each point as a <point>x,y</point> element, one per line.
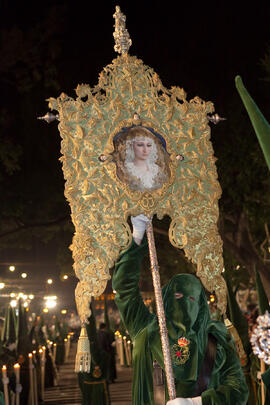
<point>100,203</point>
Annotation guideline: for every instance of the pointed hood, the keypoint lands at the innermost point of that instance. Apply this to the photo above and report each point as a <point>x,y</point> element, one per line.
<point>5,326</point>
<point>93,339</point>
<point>262,297</point>
<point>106,316</point>
<point>260,124</point>
<point>41,334</point>
<point>24,345</point>
<point>187,318</point>
<point>236,316</point>
<point>11,331</point>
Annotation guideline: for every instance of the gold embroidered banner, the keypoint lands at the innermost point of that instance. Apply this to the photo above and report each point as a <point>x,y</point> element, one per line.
<point>101,128</point>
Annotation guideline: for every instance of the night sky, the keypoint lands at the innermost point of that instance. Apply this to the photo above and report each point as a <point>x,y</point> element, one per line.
<point>50,47</point>
<point>196,45</point>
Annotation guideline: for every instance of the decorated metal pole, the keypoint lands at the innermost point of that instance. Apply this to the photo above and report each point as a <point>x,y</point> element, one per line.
<point>160,311</point>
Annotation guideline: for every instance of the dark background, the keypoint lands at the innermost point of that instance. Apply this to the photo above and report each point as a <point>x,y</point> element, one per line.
<point>49,47</point>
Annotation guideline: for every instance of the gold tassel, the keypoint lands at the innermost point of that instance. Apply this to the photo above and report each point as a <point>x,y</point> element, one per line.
<point>83,355</point>
<point>238,342</point>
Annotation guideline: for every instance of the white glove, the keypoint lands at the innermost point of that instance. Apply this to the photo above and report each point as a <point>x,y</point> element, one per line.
<point>197,400</point>
<point>139,224</point>
<point>185,401</point>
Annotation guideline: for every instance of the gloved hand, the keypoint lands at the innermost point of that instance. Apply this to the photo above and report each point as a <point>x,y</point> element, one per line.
<point>139,224</point>
<point>185,401</point>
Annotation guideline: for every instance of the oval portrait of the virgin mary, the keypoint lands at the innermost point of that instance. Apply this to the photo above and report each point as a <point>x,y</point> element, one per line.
<point>141,158</point>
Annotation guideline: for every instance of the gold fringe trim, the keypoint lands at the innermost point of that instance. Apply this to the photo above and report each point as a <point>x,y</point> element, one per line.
<point>238,342</point>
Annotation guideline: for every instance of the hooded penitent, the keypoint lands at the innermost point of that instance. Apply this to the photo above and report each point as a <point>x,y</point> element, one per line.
<point>24,345</point>
<point>189,327</point>
<point>112,364</point>
<point>187,317</point>
<point>9,329</point>
<point>262,297</point>
<point>236,317</point>
<point>94,385</point>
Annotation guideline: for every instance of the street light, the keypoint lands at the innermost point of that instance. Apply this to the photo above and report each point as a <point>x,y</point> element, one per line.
<point>11,268</point>
<point>65,277</point>
<point>24,275</point>
<point>13,303</point>
<point>49,281</point>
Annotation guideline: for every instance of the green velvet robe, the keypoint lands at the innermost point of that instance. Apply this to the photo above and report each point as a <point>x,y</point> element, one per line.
<point>227,384</point>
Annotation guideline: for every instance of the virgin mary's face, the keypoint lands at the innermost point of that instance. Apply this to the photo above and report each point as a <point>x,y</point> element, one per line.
<point>142,148</point>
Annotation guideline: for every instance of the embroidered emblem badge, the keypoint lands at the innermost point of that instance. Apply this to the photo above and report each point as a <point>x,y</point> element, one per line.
<point>180,351</point>
<point>96,372</point>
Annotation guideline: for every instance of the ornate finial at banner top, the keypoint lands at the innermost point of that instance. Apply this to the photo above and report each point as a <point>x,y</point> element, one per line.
<point>121,35</point>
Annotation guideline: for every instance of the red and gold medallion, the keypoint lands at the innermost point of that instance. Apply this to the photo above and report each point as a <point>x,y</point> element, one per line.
<point>180,351</point>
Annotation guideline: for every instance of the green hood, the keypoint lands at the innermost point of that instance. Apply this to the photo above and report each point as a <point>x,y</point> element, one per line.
<point>9,329</point>
<point>24,345</point>
<point>186,317</point>
<point>262,297</point>
<point>236,317</point>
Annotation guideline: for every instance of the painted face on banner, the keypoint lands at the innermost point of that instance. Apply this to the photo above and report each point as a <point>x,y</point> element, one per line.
<point>142,161</point>
<point>142,148</point>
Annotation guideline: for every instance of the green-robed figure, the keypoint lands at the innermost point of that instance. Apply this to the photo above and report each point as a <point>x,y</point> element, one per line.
<point>206,367</point>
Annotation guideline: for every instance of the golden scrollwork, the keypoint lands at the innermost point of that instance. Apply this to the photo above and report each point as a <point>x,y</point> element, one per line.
<point>131,93</point>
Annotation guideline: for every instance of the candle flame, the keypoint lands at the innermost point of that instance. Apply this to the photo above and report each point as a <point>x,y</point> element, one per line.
<point>30,355</point>
<point>16,365</point>
<point>4,367</point>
